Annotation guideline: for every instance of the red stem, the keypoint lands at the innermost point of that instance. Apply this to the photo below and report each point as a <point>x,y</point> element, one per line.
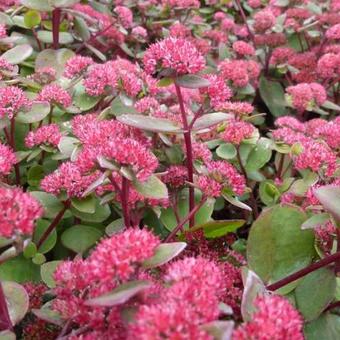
<point>53,224</point>
<point>11,140</point>
<point>125,199</point>
<point>305,271</point>
<point>5,321</point>
<point>56,15</point>
<point>189,159</point>
<point>185,220</point>
<point>244,18</point>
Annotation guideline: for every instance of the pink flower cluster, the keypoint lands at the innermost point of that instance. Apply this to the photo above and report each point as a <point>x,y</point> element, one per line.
<point>7,159</point>
<point>237,131</point>
<point>275,319</point>
<point>18,212</point>
<point>76,65</point>
<point>47,134</point>
<point>55,95</point>
<point>176,54</point>
<point>12,100</point>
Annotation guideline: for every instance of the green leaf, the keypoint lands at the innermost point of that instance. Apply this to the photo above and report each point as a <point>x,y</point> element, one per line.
<point>315,221</point>
<point>32,18</point>
<point>115,227</point>
<point>18,54</point>
<point>269,193</point>
<point>234,201</point>
<point>37,113</point>
<point>7,335</point>
<point>219,330</point>
<point>20,270</point>
<point>164,82</point>
<point>47,314</point>
<point>80,238</point>
<point>67,145</point>
<point>329,196</point>
<point>149,123</point>
<point>101,213</point>
<point>192,81</point>
<point>86,205</point>
<point>64,3</point>
<point>153,187</point>
<point>330,105</point>
<point>81,28</point>
<point>49,243</point>
<point>118,107</point>
<point>327,327</point>
<point>34,175</point>
<point>82,100</point>
<point>253,287</point>
<point>30,250</point>
<point>203,215</point>
<point>17,300</point>
<point>119,295</point>
<point>65,38</point>
<point>47,270</point>
<point>226,151</point>
<point>214,229</point>
<point>273,95</point>
<point>39,259</point>
<point>52,206</point>
<point>210,119</point>
<point>259,155</point>
<point>314,292</point>
<point>277,246</point>
<point>53,58</point>
<point>39,5</point>
<point>164,253</point>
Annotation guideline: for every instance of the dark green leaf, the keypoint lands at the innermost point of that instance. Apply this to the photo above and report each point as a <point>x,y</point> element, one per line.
<point>213,229</point>
<point>226,151</point>
<point>49,243</point>
<point>326,327</point>
<point>86,204</point>
<point>80,238</point>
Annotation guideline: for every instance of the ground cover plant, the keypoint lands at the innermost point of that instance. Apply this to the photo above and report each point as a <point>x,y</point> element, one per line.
<point>169,169</point>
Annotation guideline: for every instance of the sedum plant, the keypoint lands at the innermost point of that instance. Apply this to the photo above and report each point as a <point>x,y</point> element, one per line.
<point>169,169</point>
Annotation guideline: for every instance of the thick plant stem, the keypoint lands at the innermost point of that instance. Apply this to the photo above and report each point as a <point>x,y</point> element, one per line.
<point>244,18</point>
<point>188,147</point>
<point>125,201</point>
<point>56,14</point>
<point>53,224</point>
<point>305,271</point>
<point>5,321</point>
<point>185,220</point>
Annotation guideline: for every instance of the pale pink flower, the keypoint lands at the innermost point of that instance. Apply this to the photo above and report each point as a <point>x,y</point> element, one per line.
<point>181,3</point>
<point>208,186</point>
<point>18,212</point>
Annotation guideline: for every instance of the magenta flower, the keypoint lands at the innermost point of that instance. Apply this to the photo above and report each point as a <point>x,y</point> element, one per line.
<point>12,100</point>
<point>76,65</point>
<point>236,131</point>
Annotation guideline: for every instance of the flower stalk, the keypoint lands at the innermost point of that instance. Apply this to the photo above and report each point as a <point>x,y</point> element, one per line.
<point>189,153</point>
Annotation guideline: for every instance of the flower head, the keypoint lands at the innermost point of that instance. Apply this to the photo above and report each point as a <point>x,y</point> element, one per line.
<point>275,319</point>
<point>7,159</point>
<point>54,94</point>
<point>76,65</point>
<point>47,134</point>
<point>18,212</point>
<point>237,131</point>
<point>177,54</point>
<point>12,100</point>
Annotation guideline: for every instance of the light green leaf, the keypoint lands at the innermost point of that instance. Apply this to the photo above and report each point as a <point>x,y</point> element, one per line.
<point>47,270</point>
<point>153,187</point>
<point>18,54</point>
